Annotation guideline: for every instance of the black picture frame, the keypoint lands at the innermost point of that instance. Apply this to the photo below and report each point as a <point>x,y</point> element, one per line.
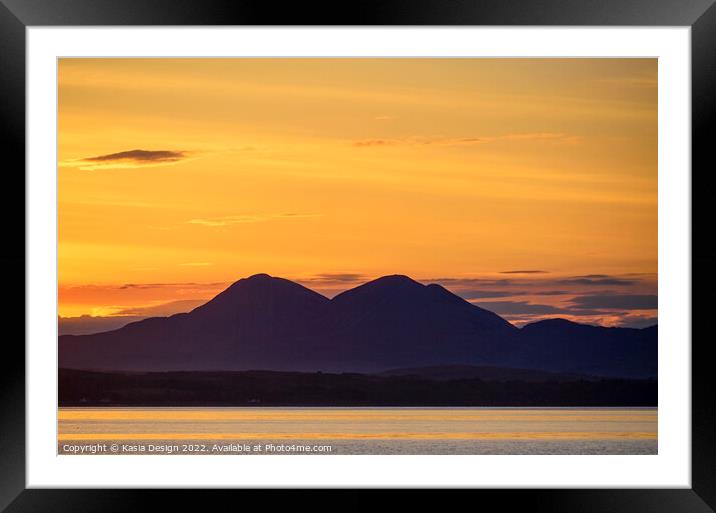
<point>17,15</point>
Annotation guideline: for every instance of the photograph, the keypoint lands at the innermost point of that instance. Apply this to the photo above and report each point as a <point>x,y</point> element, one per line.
<point>357,256</point>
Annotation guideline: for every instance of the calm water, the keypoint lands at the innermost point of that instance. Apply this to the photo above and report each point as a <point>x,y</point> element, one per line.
<point>357,431</point>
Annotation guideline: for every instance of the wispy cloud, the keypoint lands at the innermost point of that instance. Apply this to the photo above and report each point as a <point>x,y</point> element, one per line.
<point>470,282</point>
<point>481,294</point>
<point>638,321</point>
<point>376,142</point>
<point>524,272</point>
<point>616,301</point>
<point>646,82</point>
<point>597,280</point>
<point>226,220</point>
<point>518,307</point>
<point>162,309</point>
<point>340,277</point>
<point>550,137</point>
<point>128,159</point>
<point>180,285</point>
<point>221,221</point>
<point>332,283</point>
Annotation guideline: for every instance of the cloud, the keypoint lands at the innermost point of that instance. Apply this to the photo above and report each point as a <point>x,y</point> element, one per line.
<point>521,311</point>
<point>163,309</point>
<point>376,142</point>
<point>222,221</point>
<point>330,284</point>
<point>637,82</point>
<point>518,307</point>
<point>616,301</point>
<point>596,280</point>
<point>537,136</point>
<point>339,277</point>
<point>140,156</point>
<point>524,272</point>
<point>549,293</point>
<point>522,297</point>
<point>470,282</point>
<point>295,216</point>
<point>180,285</point>
<point>143,285</point>
<point>551,137</point>
<point>479,294</point>
<point>533,279</point>
<point>129,159</point>
<point>226,220</point>
<point>638,321</point>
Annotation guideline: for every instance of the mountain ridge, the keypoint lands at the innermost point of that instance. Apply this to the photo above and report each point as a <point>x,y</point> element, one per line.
<point>388,323</point>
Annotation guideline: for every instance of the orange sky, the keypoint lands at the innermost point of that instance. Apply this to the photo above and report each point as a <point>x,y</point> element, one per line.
<point>335,171</point>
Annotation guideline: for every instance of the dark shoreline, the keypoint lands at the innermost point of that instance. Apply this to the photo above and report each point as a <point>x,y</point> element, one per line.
<point>79,388</point>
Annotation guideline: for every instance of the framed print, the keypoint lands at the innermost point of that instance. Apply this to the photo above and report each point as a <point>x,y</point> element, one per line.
<point>425,248</point>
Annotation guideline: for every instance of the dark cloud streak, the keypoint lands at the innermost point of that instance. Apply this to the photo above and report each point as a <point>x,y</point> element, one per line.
<point>339,277</point>
<point>140,156</point>
<point>616,302</point>
<point>518,307</point>
<point>599,282</point>
<point>173,285</point>
<point>479,294</point>
<point>530,271</point>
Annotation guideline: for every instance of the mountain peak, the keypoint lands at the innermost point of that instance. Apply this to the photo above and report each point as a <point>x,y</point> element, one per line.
<point>259,276</point>
<point>261,292</point>
<point>394,285</point>
<point>554,321</point>
<point>260,280</point>
<point>395,279</point>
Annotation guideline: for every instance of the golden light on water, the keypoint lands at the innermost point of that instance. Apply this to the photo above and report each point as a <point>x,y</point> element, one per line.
<point>209,414</point>
<point>576,435</point>
<point>356,424</point>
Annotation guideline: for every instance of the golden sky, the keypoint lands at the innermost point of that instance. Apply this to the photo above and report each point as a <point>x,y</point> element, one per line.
<point>179,176</point>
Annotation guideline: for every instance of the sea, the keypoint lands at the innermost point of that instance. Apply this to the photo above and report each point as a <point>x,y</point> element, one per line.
<point>339,431</point>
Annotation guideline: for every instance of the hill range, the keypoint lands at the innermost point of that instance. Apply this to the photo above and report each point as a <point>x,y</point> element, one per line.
<point>394,322</point>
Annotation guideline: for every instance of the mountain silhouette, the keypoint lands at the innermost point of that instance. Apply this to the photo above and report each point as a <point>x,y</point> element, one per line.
<point>396,321</point>
<point>559,344</point>
<point>262,322</point>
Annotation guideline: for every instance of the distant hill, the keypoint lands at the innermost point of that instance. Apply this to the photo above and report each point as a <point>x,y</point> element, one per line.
<point>87,324</point>
<point>561,344</point>
<point>393,322</point>
<point>452,372</point>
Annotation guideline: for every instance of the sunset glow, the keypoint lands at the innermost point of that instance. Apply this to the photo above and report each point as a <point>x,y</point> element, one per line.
<point>527,186</point>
